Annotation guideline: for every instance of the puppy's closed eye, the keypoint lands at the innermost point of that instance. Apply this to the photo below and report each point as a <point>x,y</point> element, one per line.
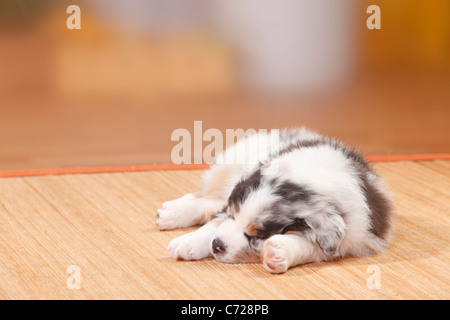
<point>249,237</point>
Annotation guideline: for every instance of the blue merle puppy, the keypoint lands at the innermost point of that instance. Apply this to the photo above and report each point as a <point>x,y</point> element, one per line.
<point>295,197</point>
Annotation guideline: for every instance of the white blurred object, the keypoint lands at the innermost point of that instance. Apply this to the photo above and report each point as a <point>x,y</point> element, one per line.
<point>290,45</point>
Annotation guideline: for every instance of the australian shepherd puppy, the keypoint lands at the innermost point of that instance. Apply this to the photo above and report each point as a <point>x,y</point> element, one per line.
<point>294,197</point>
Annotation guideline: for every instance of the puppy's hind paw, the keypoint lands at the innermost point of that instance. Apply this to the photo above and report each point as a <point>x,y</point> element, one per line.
<point>166,218</point>
<point>176,213</point>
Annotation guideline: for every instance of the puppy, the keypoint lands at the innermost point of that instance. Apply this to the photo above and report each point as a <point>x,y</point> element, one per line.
<point>297,197</point>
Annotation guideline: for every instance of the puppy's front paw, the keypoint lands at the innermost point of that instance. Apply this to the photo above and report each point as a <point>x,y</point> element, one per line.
<point>274,256</point>
<point>190,246</point>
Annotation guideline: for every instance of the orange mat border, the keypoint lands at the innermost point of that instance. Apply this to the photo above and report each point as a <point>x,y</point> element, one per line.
<point>161,167</point>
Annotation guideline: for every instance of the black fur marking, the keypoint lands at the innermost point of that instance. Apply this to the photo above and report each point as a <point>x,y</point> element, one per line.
<point>350,153</point>
<point>280,226</point>
<point>379,205</point>
<point>292,192</point>
<point>271,227</point>
<point>243,189</point>
<point>380,208</point>
<point>303,144</point>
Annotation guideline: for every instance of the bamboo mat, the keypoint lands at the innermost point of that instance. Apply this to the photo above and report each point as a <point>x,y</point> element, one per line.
<point>103,225</point>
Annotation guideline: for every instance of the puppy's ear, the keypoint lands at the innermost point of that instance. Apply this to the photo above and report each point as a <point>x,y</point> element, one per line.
<point>329,228</point>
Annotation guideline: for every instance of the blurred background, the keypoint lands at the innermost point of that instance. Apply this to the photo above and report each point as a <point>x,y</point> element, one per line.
<point>113,92</point>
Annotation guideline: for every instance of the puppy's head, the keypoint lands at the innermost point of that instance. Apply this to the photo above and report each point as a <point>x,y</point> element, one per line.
<point>259,207</point>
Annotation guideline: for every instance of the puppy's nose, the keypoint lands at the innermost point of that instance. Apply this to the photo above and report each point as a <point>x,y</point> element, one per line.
<point>218,246</point>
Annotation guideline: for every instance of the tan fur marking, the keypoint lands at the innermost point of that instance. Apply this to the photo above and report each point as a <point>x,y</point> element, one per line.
<point>215,186</point>
<point>252,230</point>
<point>232,209</point>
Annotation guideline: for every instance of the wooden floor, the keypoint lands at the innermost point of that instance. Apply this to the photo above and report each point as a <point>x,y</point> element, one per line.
<point>103,224</point>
